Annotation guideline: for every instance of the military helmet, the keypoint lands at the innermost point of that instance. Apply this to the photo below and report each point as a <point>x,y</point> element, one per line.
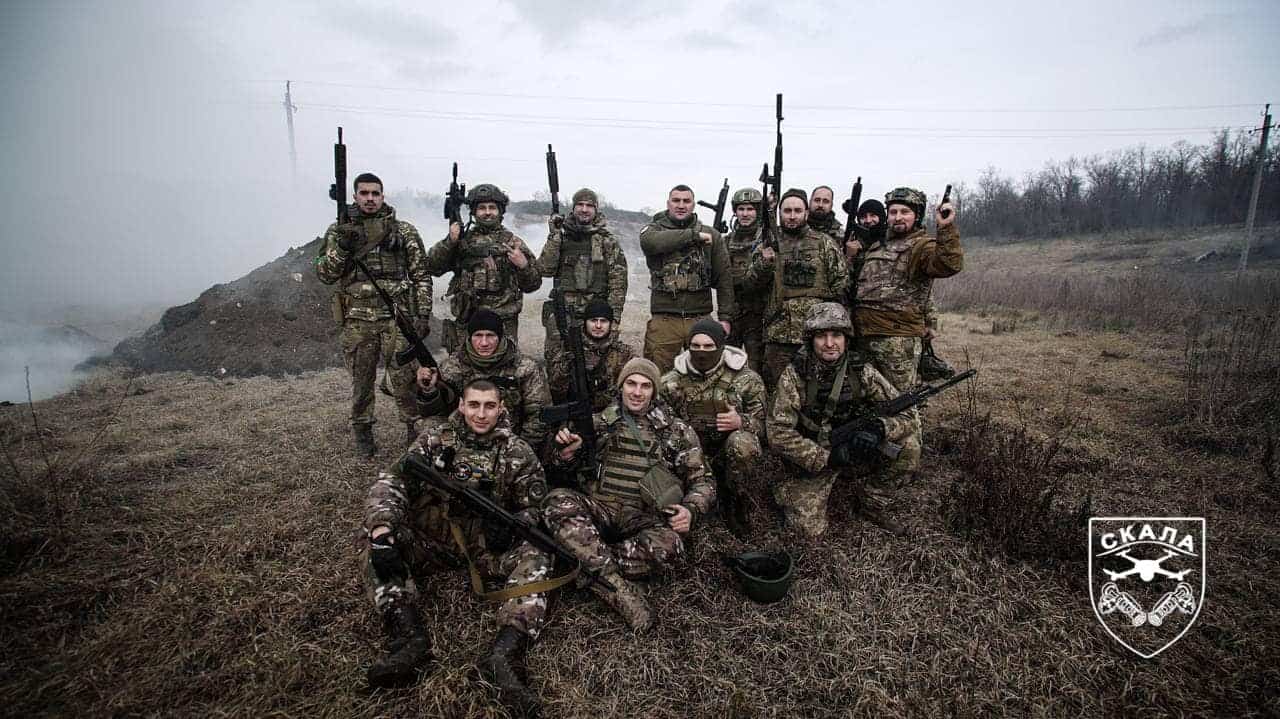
<point>486,192</point>
<point>909,196</point>
<point>765,576</point>
<point>827,316</point>
<point>746,196</point>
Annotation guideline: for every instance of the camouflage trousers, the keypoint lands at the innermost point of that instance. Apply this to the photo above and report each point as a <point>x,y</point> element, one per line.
<point>732,456</point>
<point>777,356</point>
<point>664,338</point>
<point>748,333</point>
<point>803,497</point>
<point>452,332</point>
<point>605,539</point>
<point>897,358</point>
<point>427,548</point>
<point>365,345</point>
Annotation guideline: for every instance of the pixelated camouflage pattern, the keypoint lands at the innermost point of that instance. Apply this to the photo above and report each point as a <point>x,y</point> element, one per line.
<point>498,463</point>
<point>747,323</point>
<point>829,226</point>
<point>365,345</point>
<point>696,398</point>
<point>607,539</point>
<point>483,275</point>
<point>527,394</point>
<point>587,263</point>
<point>789,305</point>
<point>898,360</point>
<point>897,276</point>
<point>827,316</point>
<point>605,359</point>
<point>403,273</point>
<point>907,195</point>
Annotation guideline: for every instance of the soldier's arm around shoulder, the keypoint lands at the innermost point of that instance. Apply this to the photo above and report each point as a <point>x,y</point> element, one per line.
<point>419,273</point>
<point>690,467</point>
<point>331,263</point>
<point>657,240</point>
<point>529,277</point>
<point>879,389</point>
<point>942,257</point>
<point>783,422</point>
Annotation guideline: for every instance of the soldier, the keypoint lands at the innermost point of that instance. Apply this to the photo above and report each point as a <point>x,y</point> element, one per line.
<point>492,268</point>
<point>411,530</point>
<point>747,321</point>
<point>686,261</point>
<point>490,354</point>
<point>713,390</point>
<point>891,297</point>
<point>392,250</point>
<point>821,216</point>
<point>605,355</point>
<point>823,388</point>
<point>649,489</point>
<point>587,263</point>
<point>810,270</point>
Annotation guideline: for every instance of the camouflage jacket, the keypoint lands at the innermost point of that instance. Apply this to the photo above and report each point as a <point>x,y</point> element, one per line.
<point>697,398</point>
<point>802,396</point>
<point>605,359</point>
<point>520,380</point>
<point>741,244</point>
<point>499,463</point>
<point>831,227</point>
<point>587,264</point>
<point>397,261</point>
<point>896,279</point>
<point>679,451</point>
<point>811,270</point>
<point>683,269</point>
<point>483,276</point>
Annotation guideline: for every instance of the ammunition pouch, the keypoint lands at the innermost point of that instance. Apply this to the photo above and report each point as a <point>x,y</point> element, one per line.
<point>799,273</point>
<point>660,488</point>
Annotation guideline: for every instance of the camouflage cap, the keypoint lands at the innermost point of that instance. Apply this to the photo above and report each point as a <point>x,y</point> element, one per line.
<point>586,194</point>
<point>747,196</point>
<point>827,316</point>
<point>486,192</point>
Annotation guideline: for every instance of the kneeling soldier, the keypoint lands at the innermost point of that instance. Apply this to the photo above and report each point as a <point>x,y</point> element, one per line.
<point>823,387</point>
<point>649,490</point>
<point>713,390</point>
<point>411,527</point>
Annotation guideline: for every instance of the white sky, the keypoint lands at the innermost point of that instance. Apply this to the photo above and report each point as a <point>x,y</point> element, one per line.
<point>147,151</point>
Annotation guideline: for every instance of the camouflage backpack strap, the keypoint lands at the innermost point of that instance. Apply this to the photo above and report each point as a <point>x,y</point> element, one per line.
<point>818,426</point>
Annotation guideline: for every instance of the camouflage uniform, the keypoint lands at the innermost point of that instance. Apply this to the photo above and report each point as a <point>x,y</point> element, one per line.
<point>811,270</point>
<point>587,263</point>
<point>747,323</point>
<point>483,276</point>
<point>831,227</point>
<point>799,425</point>
<point>605,358</point>
<point>520,381</point>
<point>369,335</point>
<point>611,529</point>
<point>498,463</point>
<point>683,271</point>
<point>697,398</point>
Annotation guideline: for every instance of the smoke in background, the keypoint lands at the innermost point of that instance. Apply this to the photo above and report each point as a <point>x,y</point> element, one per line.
<point>50,353</point>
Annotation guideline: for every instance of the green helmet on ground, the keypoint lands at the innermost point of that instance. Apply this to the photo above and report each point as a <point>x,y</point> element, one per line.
<point>765,576</point>
<point>746,196</point>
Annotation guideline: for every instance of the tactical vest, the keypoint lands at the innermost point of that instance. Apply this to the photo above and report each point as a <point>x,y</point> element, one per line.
<point>628,455</point>
<point>687,270</point>
<point>824,406</point>
<point>704,400</point>
<point>885,282</point>
<point>482,274</point>
<point>799,270</point>
<point>473,464</point>
<point>582,266</point>
<point>740,248</point>
<point>390,268</point>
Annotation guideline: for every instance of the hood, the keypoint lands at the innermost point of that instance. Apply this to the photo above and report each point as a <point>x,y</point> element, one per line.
<point>734,358</point>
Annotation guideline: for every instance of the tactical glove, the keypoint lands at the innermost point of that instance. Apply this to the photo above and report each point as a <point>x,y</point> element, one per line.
<point>386,560</point>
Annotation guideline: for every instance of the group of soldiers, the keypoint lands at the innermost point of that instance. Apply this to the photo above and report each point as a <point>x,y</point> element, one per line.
<point>807,330</point>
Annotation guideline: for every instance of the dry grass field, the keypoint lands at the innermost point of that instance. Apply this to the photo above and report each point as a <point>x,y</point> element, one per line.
<point>176,545</point>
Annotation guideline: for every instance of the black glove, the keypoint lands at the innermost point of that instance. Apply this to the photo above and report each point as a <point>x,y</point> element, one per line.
<point>386,560</point>
<point>348,236</point>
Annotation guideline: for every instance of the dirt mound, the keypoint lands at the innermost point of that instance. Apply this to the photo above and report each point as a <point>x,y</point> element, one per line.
<point>274,320</point>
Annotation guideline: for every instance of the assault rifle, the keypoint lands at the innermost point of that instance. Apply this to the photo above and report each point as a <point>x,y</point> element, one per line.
<point>851,208</point>
<point>718,208</point>
<point>946,197</point>
<point>871,412</point>
<point>776,178</point>
<point>578,410</point>
<point>767,236</point>
<point>419,467</point>
<point>553,179</point>
<point>338,190</point>
<point>454,199</point>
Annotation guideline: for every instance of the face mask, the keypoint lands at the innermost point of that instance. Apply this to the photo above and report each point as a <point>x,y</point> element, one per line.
<point>705,360</point>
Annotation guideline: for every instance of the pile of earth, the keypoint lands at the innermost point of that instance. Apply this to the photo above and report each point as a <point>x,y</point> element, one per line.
<point>273,321</point>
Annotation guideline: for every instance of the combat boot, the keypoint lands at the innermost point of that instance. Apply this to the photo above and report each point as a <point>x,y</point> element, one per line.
<point>628,601</point>
<point>410,432</point>
<point>365,447</point>
<point>882,520</point>
<point>408,655</point>
<point>504,667</point>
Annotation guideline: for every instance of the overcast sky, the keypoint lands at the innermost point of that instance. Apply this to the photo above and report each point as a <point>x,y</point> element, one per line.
<point>146,148</point>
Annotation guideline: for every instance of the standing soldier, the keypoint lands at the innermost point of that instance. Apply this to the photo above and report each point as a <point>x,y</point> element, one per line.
<point>490,354</point>
<point>822,388</point>
<point>587,263</point>
<point>821,215</point>
<point>806,269</point>
<point>392,250</point>
<point>713,390</point>
<point>492,268</point>
<point>747,321</point>
<point>686,260</point>
<point>648,490</point>
<point>411,531</point>
<point>891,297</point>
<point>605,356</point>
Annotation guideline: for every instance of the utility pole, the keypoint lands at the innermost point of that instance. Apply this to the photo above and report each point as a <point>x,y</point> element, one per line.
<point>1257,187</point>
<point>288,114</point>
